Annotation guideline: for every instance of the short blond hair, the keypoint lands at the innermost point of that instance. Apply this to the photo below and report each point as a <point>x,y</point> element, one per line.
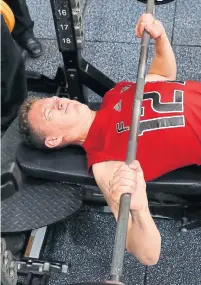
<point>32,137</point>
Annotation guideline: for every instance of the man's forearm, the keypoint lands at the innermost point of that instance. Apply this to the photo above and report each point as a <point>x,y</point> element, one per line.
<point>164,62</point>
<point>143,238</point>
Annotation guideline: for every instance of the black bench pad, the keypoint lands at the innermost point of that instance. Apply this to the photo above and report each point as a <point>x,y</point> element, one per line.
<point>70,165</point>
<point>66,165</point>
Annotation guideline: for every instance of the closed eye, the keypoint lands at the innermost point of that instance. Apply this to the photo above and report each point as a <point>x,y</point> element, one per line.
<point>48,114</point>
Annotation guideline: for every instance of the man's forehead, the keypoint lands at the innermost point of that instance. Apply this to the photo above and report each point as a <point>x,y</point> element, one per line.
<point>43,103</point>
<point>46,101</point>
<point>39,107</point>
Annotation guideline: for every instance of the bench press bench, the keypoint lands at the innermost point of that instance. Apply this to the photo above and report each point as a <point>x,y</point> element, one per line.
<point>70,165</point>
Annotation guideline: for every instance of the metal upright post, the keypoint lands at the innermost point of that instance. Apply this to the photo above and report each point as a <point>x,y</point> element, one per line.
<point>66,14</point>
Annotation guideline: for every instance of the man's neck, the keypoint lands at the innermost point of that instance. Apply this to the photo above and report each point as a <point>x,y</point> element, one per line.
<point>86,128</point>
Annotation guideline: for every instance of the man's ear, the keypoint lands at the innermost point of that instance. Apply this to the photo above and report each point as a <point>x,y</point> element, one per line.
<point>52,142</point>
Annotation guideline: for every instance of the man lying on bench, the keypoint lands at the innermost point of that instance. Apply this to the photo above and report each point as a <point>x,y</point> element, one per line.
<point>170,136</point>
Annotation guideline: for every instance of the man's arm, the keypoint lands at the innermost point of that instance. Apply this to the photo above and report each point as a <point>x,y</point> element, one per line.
<point>164,62</point>
<point>163,66</point>
<point>143,238</point>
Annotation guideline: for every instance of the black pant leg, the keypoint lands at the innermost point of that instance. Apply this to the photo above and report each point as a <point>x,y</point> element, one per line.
<point>13,79</point>
<point>23,21</point>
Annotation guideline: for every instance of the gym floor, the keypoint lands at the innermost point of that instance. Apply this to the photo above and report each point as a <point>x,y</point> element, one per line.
<point>86,238</point>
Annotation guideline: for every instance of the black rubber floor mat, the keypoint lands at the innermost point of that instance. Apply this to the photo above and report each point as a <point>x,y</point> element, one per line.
<point>38,204</point>
<point>180,257</point>
<point>86,240</point>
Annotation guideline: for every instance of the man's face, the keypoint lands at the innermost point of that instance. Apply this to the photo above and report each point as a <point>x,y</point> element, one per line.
<point>59,119</point>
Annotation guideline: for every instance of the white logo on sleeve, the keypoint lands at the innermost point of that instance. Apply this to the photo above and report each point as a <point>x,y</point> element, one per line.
<point>120,127</point>
<point>117,107</point>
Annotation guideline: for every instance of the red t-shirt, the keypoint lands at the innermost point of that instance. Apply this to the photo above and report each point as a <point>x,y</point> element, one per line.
<point>170,127</point>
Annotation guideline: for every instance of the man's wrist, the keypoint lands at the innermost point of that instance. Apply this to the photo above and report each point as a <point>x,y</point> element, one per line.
<point>160,43</point>
<point>161,37</point>
<point>140,214</point>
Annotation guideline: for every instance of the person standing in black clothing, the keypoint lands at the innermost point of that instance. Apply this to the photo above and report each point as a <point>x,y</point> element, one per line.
<point>13,79</point>
<point>23,31</point>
